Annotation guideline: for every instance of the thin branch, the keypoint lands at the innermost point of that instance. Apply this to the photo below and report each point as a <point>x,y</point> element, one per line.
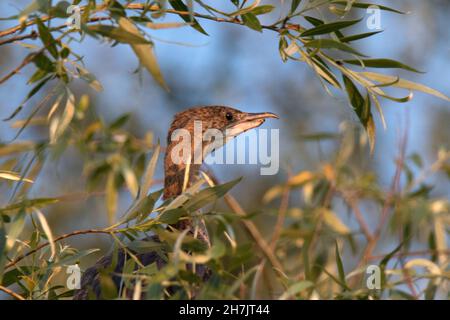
<point>153,8</point>
<point>64,236</point>
<point>412,253</point>
<point>389,200</point>
<point>284,204</point>
<point>11,293</point>
<point>353,203</point>
<point>250,227</point>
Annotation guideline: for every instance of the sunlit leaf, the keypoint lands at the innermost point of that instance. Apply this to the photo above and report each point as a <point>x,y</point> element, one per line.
<point>47,231</point>
<point>14,176</point>
<point>111,196</point>
<point>382,63</point>
<point>118,34</point>
<point>402,83</point>
<point>334,222</point>
<point>149,173</point>
<point>145,53</point>
<point>296,288</point>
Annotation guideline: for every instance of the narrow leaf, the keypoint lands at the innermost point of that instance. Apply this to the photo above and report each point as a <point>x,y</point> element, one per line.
<point>331,44</point>
<point>180,6</point>
<point>145,53</point>
<point>328,28</point>
<point>382,63</point>
<point>405,84</point>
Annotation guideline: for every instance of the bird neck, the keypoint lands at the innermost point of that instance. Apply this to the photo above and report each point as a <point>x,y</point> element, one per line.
<point>173,186</point>
<point>175,174</point>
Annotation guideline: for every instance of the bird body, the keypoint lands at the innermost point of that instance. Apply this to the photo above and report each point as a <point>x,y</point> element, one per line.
<point>227,121</point>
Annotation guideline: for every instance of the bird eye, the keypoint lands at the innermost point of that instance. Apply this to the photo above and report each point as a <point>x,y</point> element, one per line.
<point>229,116</point>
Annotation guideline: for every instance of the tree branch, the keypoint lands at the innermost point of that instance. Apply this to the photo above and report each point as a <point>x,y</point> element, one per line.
<point>11,293</point>
<point>64,236</point>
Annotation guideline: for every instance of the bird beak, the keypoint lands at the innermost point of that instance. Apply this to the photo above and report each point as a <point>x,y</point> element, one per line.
<point>247,122</point>
<point>260,116</point>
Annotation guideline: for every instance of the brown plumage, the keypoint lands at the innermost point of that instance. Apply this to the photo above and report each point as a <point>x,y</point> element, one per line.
<point>224,119</point>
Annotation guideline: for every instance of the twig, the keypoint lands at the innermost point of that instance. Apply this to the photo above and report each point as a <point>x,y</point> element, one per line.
<point>11,293</point>
<point>412,253</point>
<point>353,203</point>
<point>250,227</point>
<point>64,236</point>
<point>388,202</point>
<point>280,219</point>
<point>139,6</point>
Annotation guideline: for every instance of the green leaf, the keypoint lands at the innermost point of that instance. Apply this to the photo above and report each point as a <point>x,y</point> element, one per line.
<point>111,196</point>
<point>405,84</point>
<point>13,276</point>
<point>172,216</point>
<point>328,28</point>
<point>108,288</point>
<point>36,5</point>
<point>314,21</point>
<point>145,246</point>
<point>47,38</point>
<point>340,266</point>
<point>382,63</point>
<point>262,9</point>
<point>294,5</point>
<point>119,122</point>
<point>356,99</point>
<point>28,203</point>
<point>385,261</point>
<point>180,6</point>
<point>44,63</point>
<point>74,258</point>
<point>296,288</point>
<point>251,21</point>
<point>149,173</point>
<point>331,44</point>
<point>118,34</point>
<point>145,53</point>
<point>362,107</point>
<point>2,250</point>
<point>359,36</point>
<point>367,5</point>
<point>209,195</point>
<point>144,206</point>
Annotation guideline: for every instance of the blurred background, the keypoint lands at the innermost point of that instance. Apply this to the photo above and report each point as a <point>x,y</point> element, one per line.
<point>239,67</point>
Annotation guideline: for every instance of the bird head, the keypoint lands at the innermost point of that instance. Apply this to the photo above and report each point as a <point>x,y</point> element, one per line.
<point>231,122</point>
<point>228,121</point>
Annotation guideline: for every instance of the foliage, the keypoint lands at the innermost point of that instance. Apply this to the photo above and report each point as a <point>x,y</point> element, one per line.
<point>303,258</point>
